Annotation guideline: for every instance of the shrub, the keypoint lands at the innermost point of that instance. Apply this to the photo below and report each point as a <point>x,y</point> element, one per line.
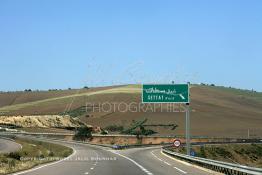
<point>202,152</point>
<point>51,154</point>
<point>11,163</point>
<point>14,155</point>
<point>114,128</point>
<point>222,152</point>
<point>83,133</point>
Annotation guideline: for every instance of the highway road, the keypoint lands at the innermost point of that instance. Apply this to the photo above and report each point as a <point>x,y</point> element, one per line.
<point>7,146</point>
<point>158,163</point>
<point>94,160</point>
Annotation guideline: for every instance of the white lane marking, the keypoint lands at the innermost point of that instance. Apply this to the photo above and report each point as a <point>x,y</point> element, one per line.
<point>167,163</point>
<point>92,168</point>
<point>86,172</point>
<point>177,160</point>
<point>156,156</point>
<point>152,152</point>
<point>137,164</point>
<point>188,164</point>
<point>180,170</point>
<point>49,164</point>
<point>96,159</point>
<point>12,141</point>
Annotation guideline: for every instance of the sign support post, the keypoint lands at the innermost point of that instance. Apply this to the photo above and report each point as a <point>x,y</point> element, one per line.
<point>170,93</point>
<point>188,147</point>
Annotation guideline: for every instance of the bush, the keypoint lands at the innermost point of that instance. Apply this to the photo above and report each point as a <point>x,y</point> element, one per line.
<point>83,133</point>
<point>202,152</point>
<point>51,154</point>
<point>11,163</point>
<point>114,128</point>
<point>222,152</point>
<point>14,155</point>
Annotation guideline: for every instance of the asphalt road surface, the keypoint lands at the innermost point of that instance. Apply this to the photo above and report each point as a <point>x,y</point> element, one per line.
<point>95,160</point>
<point>7,146</point>
<point>158,163</point>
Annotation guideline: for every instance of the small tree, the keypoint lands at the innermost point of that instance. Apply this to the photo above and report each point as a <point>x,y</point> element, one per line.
<point>83,133</point>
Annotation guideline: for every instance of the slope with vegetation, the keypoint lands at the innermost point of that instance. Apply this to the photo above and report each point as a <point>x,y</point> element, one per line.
<point>32,154</point>
<point>244,154</point>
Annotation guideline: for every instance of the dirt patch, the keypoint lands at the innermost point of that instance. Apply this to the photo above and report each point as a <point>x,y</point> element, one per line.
<point>42,121</point>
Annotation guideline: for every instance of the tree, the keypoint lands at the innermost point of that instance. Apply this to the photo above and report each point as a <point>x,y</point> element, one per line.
<point>83,133</point>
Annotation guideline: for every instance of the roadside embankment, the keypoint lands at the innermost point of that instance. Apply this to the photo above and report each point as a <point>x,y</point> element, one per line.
<point>32,154</point>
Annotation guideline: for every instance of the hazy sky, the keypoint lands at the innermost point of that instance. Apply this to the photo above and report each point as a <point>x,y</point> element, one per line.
<point>60,44</point>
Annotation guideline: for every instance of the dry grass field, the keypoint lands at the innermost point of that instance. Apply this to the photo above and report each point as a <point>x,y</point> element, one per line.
<point>244,154</point>
<point>216,111</point>
<point>33,153</point>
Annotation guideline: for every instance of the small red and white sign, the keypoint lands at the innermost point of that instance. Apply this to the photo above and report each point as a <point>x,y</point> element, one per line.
<point>177,143</point>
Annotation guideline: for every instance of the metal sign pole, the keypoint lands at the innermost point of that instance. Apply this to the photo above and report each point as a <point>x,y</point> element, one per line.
<point>188,129</point>
<point>169,93</point>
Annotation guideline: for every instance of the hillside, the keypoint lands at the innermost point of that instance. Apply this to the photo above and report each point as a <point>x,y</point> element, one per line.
<point>43,121</point>
<point>216,111</point>
<point>19,97</point>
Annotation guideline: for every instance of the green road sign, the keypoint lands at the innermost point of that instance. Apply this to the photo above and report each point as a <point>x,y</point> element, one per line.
<point>165,93</point>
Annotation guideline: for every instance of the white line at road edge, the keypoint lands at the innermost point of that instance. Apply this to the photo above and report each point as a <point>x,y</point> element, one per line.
<point>180,170</point>
<point>188,164</point>
<point>152,152</point>
<point>49,164</point>
<point>11,140</point>
<point>137,164</point>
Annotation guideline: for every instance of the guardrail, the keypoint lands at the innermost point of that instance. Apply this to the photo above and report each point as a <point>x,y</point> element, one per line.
<point>223,167</point>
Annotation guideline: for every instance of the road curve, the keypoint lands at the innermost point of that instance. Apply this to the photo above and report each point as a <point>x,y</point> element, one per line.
<point>158,163</point>
<point>94,160</point>
<point>7,146</point>
<point>87,159</point>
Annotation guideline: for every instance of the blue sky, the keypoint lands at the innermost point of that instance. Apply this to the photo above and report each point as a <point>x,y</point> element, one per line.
<point>61,44</point>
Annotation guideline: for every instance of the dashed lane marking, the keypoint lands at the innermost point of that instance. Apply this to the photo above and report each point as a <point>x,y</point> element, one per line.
<point>180,170</point>
<point>137,164</point>
<point>167,163</point>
